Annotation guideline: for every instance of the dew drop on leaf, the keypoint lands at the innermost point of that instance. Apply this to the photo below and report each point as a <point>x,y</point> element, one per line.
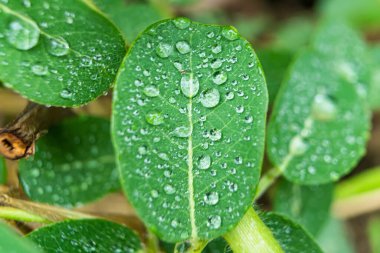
<point>214,222</point>
<point>204,162</point>
<point>219,77</point>
<point>58,46</point>
<point>210,98</point>
<point>183,47</point>
<point>169,189</point>
<point>297,146</point>
<point>215,135</point>
<point>216,63</point>
<point>151,91</point>
<point>323,108</point>
<point>189,85</point>
<point>216,49</point>
<point>66,94</point>
<point>39,70</point>
<point>22,35</point>
<point>211,198</point>
<point>182,131</point>
<point>154,118</point>
<point>229,33</point>
<point>182,23</point>
<point>164,50</point>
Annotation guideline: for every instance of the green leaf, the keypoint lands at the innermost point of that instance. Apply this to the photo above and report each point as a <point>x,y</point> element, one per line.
<point>319,125</point>
<point>308,205</point>
<point>275,63</point>
<point>77,236</point>
<point>374,94</point>
<point>333,238</point>
<point>74,163</point>
<point>291,236</point>
<point>3,171</point>
<point>10,242</point>
<point>131,18</point>
<point>218,245</point>
<point>374,234</point>
<point>61,53</point>
<point>188,125</point>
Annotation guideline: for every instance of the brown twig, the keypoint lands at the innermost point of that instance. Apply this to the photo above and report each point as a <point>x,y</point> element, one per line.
<point>17,139</point>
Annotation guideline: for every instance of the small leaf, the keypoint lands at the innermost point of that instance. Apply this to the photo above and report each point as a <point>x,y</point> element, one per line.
<point>334,238</point>
<point>10,242</point>
<point>3,171</point>
<point>131,18</point>
<point>61,53</point>
<point>291,236</point>
<point>74,163</point>
<point>190,157</point>
<point>77,236</point>
<point>308,205</point>
<point>317,120</point>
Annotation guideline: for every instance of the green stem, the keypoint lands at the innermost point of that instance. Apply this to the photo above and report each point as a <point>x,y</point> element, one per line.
<point>267,180</point>
<point>251,235</point>
<point>11,213</point>
<point>152,244</point>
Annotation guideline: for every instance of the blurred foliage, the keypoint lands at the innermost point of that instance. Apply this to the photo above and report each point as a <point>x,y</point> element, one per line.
<point>374,234</point>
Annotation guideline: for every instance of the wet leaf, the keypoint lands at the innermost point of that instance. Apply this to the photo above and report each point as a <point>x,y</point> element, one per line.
<point>308,205</point>
<point>10,242</point>
<point>80,236</point>
<point>291,236</point>
<point>131,18</point>
<point>374,94</point>
<point>74,164</point>
<point>319,126</point>
<point>190,152</point>
<point>61,53</point>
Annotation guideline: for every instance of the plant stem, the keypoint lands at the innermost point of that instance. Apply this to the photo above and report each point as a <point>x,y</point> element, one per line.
<point>18,137</point>
<point>251,235</point>
<point>46,212</point>
<point>11,213</point>
<point>267,180</point>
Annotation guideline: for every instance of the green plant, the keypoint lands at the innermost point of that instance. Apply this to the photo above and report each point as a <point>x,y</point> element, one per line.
<point>189,128</point>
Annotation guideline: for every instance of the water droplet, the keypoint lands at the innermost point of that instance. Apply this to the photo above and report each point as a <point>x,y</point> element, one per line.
<point>230,95</point>
<point>323,108</point>
<point>58,47</point>
<point>182,131</point>
<point>219,77</point>
<point>215,135</point>
<point>154,193</point>
<point>182,23</point>
<point>163,156</point>
<point>169,189</point>
<point>216,63</point>
<point>216,49</point>
<point>210,98</point>
<point>204,162</point>
<point>66,94</point>
<point>229,33</point>
<point>211,198</point>
<point>40,70</point>
<point>22,35</point>
<point>214,222</point>
<point>189,85</point>
<point>178,65</point>
<point>238,160</point>
<point>154,118</point>
<point>239,109</point>
<point>142,150</point>
<point>183,47</point>
<point>151,91</point>
<point>297,146</point>
<point>164,50</point>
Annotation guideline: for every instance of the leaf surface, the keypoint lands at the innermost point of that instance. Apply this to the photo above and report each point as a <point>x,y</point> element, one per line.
<point>3,171</point>
<point>74,163</point>
<point>61,53</point>
<point>81,236</point>
<point>291,236</point>
<point>308,205</point>
<point>188,124</point>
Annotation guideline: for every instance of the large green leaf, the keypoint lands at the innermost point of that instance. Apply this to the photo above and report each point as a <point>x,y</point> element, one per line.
<point>56,52</point>
<point>333,238</point>
<point>188,124</point>
<point>308,205</point>
<point>291,236</point>
<point>3,171</point>
<point>74,163</point>
<point>131,18</point>
<point>319,126</point>
<point>80,236</point>
<point>10,242</point>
